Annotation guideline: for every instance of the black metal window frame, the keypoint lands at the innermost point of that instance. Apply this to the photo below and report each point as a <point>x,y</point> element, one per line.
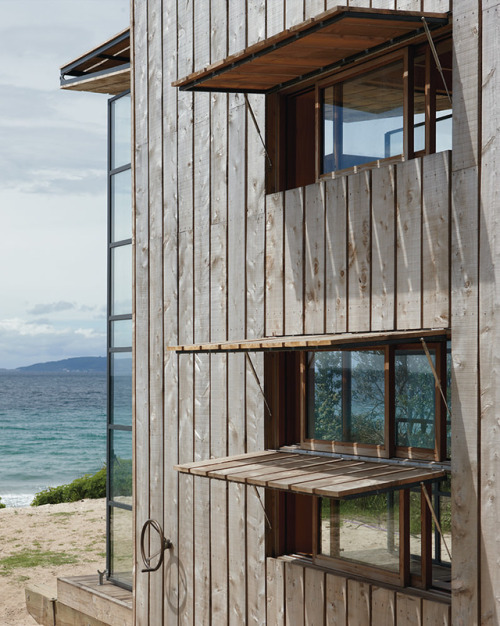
<point>111,426</point>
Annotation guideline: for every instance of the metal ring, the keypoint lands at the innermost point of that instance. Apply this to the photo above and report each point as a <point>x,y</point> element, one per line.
<point>165,544</point>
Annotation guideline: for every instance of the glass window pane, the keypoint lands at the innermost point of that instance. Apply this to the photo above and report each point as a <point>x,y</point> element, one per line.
<point>364,529</point>
<point>415,400</point>
<point>121,206</point>
<point>363,118</point>
<point>121,280</point>
<point>120,132</point>
<point>346,394</point>
<point>121,466</point>
<point>120,388</point>
<point>121,545</point>
<point>416,532</point>
<point>419,104</point>
<point>121,334</point>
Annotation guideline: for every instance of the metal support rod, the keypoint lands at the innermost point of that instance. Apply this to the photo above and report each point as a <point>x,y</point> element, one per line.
<point>252,114</point>
<point>436,377</point>
<point>436,57</point>
<point>262,505</point>
<point>258,383</point>
<point>434,517</point>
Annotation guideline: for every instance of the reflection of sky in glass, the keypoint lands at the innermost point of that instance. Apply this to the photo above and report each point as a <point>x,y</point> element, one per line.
<point>443,131</point>
<point>121,278</point>
<point>120,132</point>
<point>121,206</point>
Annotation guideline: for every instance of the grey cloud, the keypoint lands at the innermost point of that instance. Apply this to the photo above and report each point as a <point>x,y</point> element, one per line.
<point>51,307</point>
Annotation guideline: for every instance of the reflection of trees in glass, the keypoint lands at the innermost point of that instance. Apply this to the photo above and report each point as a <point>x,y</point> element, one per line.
<point>348,396</point>
<point>414,399</point>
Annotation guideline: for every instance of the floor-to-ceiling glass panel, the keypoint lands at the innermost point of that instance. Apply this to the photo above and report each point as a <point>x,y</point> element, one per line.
<point>120,471</point>
<point>121,280</point>
<point>120,333</point>
<point>120,388</point>
<point>121,545</point>
<point>121,206</point>
<point>120,126</point>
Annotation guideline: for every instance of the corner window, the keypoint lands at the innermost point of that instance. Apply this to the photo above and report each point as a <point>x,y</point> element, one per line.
<point>396,106</point>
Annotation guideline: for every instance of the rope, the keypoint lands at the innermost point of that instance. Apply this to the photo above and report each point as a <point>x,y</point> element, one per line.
<point>262,505</point>
<point>436,57</point>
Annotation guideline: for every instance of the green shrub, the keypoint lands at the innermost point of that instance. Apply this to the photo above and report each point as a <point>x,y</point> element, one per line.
<point>88,486</point>
<point>2,505</point>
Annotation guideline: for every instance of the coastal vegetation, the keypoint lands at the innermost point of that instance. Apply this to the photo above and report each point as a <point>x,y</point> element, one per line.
<point>90,486</point>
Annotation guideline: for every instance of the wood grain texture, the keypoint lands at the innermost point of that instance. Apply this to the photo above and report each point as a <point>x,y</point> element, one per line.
<point>314,594</point>
<point>358,603</point>
<point>383,265</point>
<point>383,607</point>
<point>275,605</point>
<point>294,12</point>
<point>336,600</point>
<point>336,255</point>
<point>408,242</point>
<point>409,610</point>
<point>436,241</point>
<point>314,267</point>
<point>294,595</point>
<point>274,266</point>
<point>358,246</point>
<point>294,261</point>
<point>464,447</point>
<point>435,614</point>
<point>141,302</point>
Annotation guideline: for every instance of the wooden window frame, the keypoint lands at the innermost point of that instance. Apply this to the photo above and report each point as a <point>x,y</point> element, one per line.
<point>276,107</point>
<point>389,448</point>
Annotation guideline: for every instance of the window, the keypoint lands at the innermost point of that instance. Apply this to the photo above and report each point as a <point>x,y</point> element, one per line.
<point>393,107</point>
<point>381,401</point>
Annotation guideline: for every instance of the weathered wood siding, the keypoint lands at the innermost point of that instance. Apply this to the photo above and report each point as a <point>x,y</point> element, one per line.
<point>407,246</point>
<point>298,594</point>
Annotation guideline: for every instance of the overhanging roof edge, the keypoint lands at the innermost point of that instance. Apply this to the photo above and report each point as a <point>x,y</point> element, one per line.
<point>196,80</point>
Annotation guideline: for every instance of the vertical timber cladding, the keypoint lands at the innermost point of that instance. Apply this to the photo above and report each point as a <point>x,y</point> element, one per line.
<point>217,259</point>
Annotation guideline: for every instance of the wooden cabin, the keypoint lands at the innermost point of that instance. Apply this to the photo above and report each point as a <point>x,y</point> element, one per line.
<point>315,347</point>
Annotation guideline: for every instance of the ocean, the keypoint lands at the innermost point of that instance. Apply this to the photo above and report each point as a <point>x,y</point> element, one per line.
<point>52,430</point>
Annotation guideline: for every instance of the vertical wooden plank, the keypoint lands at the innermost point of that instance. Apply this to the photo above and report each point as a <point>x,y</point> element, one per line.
<point>314,304</point>
<point>466,83</point>
<point>314,592</point>
<point>294,12</point>
<point>313,8</point>
<point>236,218</point>
<point>274,264</point>
<point>294,261</point>
<point>439,6</point>
<point>336,255</point>
<point>170,300</point>
<point>383,607</point>
<point>236,492</point>
<point>436,241</point>
<point>383,255</point>
<point>408,242</point>
<point>236,26</point>
<point>294,595</point>
<point>489,297</point>
<point>359,3</point>
<point>409,5</point>
<point>141,303</point>
<point>155,109</point>
<point>359,252</point>
<point>275,18</point>
<point>336,600</point>
<point>358,603</point>
<point>201,493</point>
<point>464,399</point>
<point>409,610</point>
<point>201,35</point>
<point>218,509</point>
<point>256,15</point>
<point>275,612</point>
<point>382,4</point>
<point>255,246</point>
<point>435,614</point>
<point>186,492</point>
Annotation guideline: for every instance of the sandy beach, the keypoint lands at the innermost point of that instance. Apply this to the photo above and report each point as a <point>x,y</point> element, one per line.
<point>71,534</point>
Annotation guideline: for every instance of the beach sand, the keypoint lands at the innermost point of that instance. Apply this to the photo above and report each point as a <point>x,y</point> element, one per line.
<point>75,531</point>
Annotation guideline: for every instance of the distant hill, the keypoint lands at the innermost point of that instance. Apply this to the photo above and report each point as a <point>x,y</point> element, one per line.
<point>80,365</point>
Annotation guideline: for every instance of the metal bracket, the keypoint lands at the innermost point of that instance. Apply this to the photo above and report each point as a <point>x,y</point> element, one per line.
<point>165,544</point>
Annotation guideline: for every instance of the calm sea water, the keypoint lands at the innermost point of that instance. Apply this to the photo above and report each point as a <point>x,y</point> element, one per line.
<point>52,430</point>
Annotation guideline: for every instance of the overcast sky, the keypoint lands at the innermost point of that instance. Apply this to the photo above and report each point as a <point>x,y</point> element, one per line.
<point>52,182</point>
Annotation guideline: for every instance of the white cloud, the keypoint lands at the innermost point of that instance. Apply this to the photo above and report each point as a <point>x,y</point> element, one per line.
<point>51,307</point>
